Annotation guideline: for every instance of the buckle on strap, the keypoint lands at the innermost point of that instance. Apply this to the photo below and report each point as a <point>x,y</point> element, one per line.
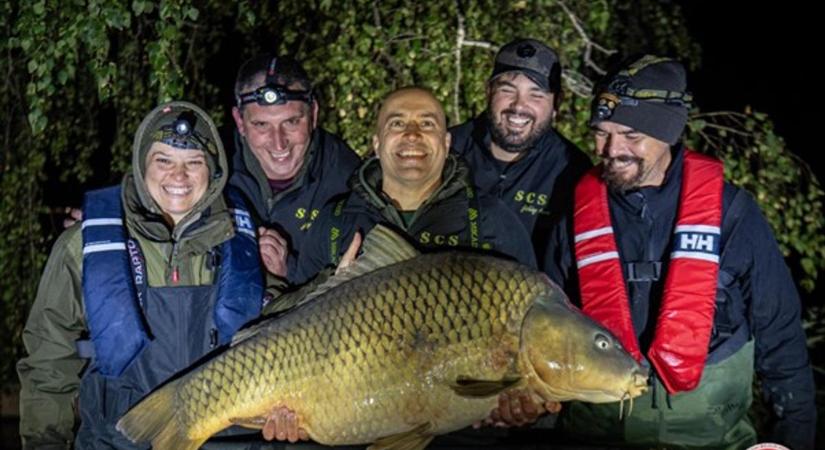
<point>643,271</point>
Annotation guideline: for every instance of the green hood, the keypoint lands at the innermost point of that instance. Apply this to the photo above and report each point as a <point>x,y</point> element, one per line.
<point>209,213</point>
<point>366,183</point>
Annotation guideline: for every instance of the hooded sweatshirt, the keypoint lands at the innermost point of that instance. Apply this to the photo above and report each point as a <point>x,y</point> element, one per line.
<point>178,255</point>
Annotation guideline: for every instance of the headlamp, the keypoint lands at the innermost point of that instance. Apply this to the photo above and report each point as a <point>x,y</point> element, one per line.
<point>181,134</point>
<point>274,94</point>
<point>620,92</point>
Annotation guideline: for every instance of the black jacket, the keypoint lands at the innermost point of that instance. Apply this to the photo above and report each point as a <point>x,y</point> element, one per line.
<point>537,187</point>
<point>756,295</point>
<point>328,165</point>
<point>447,219</point>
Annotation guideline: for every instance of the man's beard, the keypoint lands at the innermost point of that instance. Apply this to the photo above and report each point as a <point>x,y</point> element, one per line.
<point>622,183</point>
<point>511,143</point>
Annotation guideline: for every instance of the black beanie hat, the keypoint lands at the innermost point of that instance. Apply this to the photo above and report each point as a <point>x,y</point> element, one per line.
<point>648,94</point>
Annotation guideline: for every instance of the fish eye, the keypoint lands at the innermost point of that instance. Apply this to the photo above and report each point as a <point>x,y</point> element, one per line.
<point>602,342</point>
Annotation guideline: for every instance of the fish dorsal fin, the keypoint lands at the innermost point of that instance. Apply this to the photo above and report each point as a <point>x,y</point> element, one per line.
<point>415,439</point>
<point>382,247</point>
<point>469,387</point>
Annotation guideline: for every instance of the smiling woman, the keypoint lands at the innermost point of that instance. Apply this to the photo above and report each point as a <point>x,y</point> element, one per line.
<point>143,264</point>
<point>176,178</point>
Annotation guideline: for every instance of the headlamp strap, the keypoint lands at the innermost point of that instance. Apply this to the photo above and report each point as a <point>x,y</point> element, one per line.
<point>620,86</point>
<point>273,93</point>
<point>270,72</point>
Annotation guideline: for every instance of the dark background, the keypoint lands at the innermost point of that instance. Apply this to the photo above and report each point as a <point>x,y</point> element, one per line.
<point>760,55</point>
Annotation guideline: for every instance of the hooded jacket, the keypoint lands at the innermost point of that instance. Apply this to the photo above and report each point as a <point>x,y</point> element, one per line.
<point>446,219</point>
<point>179,256</point>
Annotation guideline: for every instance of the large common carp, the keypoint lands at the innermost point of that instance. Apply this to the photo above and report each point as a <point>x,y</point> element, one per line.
<point>399,348</point>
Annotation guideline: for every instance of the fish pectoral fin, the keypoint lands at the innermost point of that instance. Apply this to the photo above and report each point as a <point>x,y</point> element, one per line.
<point>256,422</point>
<point>415,439</point>
<point>469,387</point>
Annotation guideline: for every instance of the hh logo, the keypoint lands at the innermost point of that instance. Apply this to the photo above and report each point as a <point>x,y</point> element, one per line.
<point>697,242</point>
<point>242,220</point>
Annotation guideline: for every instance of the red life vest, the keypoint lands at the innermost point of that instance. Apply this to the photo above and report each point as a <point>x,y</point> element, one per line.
<point>682,335</point>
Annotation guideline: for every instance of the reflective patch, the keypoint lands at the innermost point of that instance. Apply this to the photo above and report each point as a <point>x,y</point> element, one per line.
<point>593,233</point>
<point>98,247</point>
<point>598,257</point>
<point>101,222</point>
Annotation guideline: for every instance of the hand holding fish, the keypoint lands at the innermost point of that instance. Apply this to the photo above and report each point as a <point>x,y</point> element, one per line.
<point>518,408</point>
<point>282,424</point>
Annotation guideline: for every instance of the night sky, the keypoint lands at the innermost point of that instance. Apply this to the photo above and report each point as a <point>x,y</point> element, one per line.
<point>758,55</point>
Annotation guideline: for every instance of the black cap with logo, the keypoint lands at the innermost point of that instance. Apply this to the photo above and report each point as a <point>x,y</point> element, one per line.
<point>532,58</point>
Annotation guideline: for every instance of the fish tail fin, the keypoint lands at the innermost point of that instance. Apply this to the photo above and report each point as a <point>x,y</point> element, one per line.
<point>153,419</point>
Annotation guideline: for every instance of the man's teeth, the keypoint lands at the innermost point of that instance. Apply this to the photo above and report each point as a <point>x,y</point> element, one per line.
<point>621,164</point>
<point>177,190</point>
<point>279,156</point>
<point>410,153</point>
<point>518,121</point>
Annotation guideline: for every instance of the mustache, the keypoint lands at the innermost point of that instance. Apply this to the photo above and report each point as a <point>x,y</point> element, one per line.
<point>607,160</point>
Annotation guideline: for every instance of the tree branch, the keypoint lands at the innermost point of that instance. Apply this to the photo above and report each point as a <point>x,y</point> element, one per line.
<point>376,18</point>
<point>480,44</point>
<point>589,44</point>
<point>459,42</point>
<point>577,83</point>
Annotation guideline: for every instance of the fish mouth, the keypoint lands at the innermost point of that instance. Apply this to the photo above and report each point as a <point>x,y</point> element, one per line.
<point>636,388</point>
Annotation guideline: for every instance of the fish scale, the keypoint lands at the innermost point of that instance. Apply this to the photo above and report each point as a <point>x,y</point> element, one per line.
<point>344,368</point>
<point>376,356</point>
